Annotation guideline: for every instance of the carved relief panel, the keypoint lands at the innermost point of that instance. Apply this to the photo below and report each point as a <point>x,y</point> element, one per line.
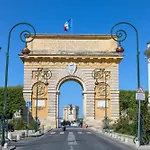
<point>42,90</point>
<point>39,91</point>
<point>101,90</point>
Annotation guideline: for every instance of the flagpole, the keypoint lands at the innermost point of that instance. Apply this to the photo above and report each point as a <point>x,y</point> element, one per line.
<point>71,26</point>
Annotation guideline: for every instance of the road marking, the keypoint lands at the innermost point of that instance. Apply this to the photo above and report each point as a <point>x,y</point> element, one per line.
<point>70,132</point>
<point>71,147</point>
<point>89,133</point>
<point>71,139</point>
<point>80,133</point>
<point>53,132</point>
<point>61,133</point>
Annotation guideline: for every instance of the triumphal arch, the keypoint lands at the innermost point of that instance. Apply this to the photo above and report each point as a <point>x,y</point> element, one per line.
<point>91,60</point>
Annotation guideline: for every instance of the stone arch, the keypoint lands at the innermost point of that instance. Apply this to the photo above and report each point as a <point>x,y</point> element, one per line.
<point>67,78</point>
<point>58,85</point>
<point>86,52</point>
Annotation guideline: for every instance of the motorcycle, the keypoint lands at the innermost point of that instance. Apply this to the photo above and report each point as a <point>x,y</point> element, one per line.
<point>64,128</point>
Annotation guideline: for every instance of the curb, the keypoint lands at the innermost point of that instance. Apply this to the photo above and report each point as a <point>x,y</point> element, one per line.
<point>9,148</point>
<point>38,135</point>
<point>115,138</point>
<point>12,147</point>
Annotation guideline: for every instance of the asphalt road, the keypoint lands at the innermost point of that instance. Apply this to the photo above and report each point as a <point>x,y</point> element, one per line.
<point>72,139</point>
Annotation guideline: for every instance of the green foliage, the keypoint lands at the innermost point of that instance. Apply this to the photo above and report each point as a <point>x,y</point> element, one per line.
<point>18,123</point>
<point>15,100</point>
<point>127,123</point>
<point>21,124</point>
<point>32,125</point>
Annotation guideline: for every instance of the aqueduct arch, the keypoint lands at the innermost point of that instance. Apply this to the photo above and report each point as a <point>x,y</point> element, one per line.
<point>73,57</point>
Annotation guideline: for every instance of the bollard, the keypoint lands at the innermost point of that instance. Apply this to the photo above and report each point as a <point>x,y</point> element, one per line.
<point>126,140</point>
<point>137,143</point>
<point>43,129</point>
<point>9,136</point>
<point>18,137</point>
<point>5,145</point>
<point>122,138</point>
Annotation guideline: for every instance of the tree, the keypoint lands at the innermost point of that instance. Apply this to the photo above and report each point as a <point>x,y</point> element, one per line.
<point>128,104</point>
<point>15,100</point>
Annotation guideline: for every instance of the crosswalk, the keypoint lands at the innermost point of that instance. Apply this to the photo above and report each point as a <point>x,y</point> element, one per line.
<point>61,133</point>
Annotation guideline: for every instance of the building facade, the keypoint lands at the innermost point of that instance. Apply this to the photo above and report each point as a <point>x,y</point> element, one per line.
<point>71,115</point>
<point>147,53</point>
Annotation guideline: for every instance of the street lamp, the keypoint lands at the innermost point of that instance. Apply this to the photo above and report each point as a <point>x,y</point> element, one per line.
<point>25,52</point>
<point>119,37</point>
<point>44,74</point>
<point>99,74</point>
<point>106,117</point>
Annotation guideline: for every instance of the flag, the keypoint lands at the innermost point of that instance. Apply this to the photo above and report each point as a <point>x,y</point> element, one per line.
<point>67,25</point>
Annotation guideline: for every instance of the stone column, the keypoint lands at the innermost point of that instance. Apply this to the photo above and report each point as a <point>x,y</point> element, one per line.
<point>114,93</point>
<point>57,108</point>
<point>84,106</point>
<point>89,105</point>
<point>52,107</point>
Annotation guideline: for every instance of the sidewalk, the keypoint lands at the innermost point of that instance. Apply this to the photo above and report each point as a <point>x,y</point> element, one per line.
<point>124,139</point>
<point>17,136</point>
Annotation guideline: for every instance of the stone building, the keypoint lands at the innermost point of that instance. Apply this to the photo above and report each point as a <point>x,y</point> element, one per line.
<point>147,53</point>
<point>71,115</point>
<point>55,59</point>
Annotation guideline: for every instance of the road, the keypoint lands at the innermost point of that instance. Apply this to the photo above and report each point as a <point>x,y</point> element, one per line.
<point>72,139</point>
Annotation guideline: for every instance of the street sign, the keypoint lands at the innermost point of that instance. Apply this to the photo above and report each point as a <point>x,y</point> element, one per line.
<point>28,104</point>
<point>140,94</point>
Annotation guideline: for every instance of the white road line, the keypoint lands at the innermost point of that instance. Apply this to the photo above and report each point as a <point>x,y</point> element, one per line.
<point>80,133</point>
<point>71,147</point>
<point>53,132</point>
<point>89,133</point>
<point>61,133</point>
<point>70,132</point>
<point>71,140</point>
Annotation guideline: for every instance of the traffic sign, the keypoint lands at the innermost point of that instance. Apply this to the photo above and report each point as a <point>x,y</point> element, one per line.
<point>28,104</point>
<point>140,90</point>
<point>140,94</point>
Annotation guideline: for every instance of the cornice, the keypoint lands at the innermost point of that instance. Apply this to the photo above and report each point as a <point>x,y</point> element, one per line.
<point>74,36</point>
<point>62,58</point>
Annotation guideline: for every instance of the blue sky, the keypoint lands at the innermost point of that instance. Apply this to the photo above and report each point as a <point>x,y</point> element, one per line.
<point>89,17</point>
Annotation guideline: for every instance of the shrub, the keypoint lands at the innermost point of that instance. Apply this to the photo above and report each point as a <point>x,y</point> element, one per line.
<point>18,123</point>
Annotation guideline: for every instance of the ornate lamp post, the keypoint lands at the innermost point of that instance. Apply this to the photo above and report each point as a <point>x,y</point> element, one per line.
<point>41,74</point>
<point>99,74</point>
<point>119,37</point>
<point>25,51</point>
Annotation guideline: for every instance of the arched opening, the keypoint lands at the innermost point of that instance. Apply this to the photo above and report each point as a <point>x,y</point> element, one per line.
<point>70,93</point>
